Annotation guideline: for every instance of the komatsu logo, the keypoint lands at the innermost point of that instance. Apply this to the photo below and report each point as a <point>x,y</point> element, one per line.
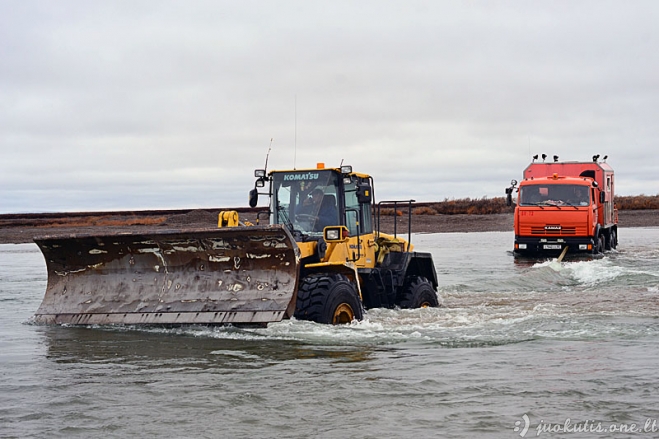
<point>303,176</point>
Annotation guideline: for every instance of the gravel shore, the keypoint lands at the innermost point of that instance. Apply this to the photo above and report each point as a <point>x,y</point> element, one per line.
<point>14,229</point>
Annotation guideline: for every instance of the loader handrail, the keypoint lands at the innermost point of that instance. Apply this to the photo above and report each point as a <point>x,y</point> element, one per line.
<point>359,244</point>
<point>409,218</point>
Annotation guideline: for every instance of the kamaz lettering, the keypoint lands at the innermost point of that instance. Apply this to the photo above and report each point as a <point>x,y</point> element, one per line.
<point>298,177</point>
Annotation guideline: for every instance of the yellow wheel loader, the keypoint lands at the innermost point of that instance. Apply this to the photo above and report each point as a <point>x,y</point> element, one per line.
<point>320,258</point>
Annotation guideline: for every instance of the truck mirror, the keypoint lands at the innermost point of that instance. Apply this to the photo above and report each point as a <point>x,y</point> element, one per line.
<point>509,194</point>
<point>253,197</point>
<point>364,193</point>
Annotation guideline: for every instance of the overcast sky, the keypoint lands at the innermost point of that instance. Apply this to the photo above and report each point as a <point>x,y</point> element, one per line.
<point>108,105</point>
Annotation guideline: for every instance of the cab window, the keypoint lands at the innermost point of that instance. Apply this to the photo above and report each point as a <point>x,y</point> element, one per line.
<point>358,216</point>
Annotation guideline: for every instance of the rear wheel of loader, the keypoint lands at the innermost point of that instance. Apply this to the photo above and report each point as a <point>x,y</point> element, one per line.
<point>418,293</point>
<point>328,298</point>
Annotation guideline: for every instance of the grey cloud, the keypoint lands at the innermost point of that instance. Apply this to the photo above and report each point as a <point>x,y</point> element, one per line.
<point>173,104</point>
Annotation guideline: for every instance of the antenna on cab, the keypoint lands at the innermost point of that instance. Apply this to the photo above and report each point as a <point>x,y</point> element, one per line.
<point>268,155</point>
<point>295,135</point>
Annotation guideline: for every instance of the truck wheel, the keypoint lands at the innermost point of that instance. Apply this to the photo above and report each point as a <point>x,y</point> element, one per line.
<point>328,298</point>
<point>608,240</point>
<point>418,293</point>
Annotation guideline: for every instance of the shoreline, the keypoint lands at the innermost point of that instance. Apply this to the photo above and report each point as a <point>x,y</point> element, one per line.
<point>19,229</point>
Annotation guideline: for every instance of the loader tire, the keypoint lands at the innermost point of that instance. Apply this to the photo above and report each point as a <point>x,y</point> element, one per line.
<point>418,293</point>
<point>328,298</point>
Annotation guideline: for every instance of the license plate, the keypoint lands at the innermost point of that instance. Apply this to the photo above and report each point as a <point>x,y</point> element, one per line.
<point>552,246</point>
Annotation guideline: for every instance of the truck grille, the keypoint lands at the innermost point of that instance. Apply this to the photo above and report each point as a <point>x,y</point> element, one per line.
<point>553,230</point>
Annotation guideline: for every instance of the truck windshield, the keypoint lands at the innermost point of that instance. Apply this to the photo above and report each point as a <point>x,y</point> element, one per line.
<point>554,195</point>
<point>305,201</point>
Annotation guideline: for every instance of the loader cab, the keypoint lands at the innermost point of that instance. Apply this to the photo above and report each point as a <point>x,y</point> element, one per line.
<point>307,201</point>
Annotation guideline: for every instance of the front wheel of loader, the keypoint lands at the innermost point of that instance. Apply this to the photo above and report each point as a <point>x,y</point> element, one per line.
<point>418,293</point>
<point>328,298</point>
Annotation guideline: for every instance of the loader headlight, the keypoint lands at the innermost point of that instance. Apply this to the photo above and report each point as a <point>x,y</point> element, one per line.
<point>332,235</point>
<point>335,233</point>
<point>259,173</point>
<point>347,169</point>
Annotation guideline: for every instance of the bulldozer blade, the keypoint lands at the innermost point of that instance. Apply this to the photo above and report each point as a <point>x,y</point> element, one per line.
<point>201,276</point>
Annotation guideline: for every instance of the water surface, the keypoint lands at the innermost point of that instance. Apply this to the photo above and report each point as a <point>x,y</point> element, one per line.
<point>544,340</point>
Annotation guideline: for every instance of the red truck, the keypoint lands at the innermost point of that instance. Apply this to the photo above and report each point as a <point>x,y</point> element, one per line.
<point>565,204</point>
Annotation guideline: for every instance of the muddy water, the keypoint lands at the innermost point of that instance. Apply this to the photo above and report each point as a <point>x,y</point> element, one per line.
<point>540,345</point>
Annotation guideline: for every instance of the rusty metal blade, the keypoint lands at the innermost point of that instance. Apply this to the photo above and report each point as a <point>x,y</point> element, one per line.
<point>205,276</point>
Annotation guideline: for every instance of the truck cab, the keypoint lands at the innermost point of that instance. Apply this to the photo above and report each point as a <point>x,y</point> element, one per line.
<point>563,205</point>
